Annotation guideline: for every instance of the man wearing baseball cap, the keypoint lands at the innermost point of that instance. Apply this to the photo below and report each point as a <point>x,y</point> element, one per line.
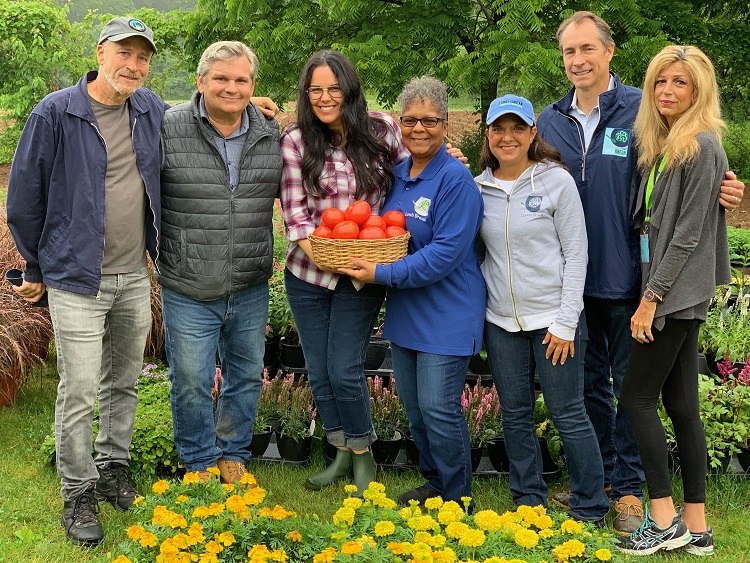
<point>84,208</point>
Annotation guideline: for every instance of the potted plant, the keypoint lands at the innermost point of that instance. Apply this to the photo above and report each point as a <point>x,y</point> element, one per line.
<point>548,436</point>
<point>385,409</point>
<point>481,408</point>
<point>297,414</point>
<point>726,331</point>
<point>267,415</point>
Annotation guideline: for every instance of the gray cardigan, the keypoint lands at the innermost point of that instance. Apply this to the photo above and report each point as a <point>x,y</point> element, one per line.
<point>688,249</point>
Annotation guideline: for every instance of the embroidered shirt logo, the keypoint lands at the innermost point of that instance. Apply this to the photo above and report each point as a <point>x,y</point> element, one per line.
<point>422,206</point>
<point>534,203</point>
<point>616,142</point>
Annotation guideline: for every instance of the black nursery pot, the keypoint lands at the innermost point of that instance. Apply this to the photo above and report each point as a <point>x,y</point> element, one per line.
<point>498,455</point>
<point>260,441</point>
<point>376,352</point>
<point>293,449</point>
<point>386,451</point>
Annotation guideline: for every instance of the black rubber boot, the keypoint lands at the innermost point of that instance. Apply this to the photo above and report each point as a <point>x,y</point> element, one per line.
<point>340,468</point>
<point>364,471</point>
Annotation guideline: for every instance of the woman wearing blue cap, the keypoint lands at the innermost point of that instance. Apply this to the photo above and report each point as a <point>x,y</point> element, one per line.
<point>535,267</point>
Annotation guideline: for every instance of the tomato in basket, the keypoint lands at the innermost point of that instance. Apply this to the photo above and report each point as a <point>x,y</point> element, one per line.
<point>358,211</point>
<point>374,221</point>
<point>324,231</point>
<point>332,217</point>
<point>346,229</point>
<point>372,233</point>
<point>394,231</point>
<point>394,218</point>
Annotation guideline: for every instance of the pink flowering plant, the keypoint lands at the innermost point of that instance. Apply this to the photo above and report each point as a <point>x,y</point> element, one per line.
<point>385,407</point>
<point>481,407</point>
<point>184,521</point>
<point>296,407</point>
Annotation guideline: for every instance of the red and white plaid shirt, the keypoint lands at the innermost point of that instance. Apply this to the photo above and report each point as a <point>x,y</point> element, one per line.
<point>302,211</point>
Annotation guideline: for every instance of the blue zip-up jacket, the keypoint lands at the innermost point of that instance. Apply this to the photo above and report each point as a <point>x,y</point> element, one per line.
<point>56,186</point>
<point>603,174</point>
<point>436,294</point>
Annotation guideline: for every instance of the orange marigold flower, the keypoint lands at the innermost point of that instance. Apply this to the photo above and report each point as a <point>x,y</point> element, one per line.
<point>160,487</point>
<point>191,478</point>
<point>147,539</point>
<point>351,548</point>
<point>214,471</point>
<point>294,535</point>
<point>135,532</point>
<point>254,496</point>
<point>121,559</point>
<point>214,547</point>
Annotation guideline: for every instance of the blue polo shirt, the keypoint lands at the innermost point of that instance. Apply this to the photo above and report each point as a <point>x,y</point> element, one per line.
<point>436,295</point>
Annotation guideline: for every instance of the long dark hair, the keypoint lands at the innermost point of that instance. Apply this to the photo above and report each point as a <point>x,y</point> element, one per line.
<point>539,150</point>
<point>369,153</point>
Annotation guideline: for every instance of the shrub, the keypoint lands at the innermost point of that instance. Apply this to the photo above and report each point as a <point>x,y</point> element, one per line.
<point>737,146</point>
<point>739,243</point>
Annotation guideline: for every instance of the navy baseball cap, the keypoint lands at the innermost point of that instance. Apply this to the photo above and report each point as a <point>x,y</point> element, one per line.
<point>121,28</point>
<point>511,104</point>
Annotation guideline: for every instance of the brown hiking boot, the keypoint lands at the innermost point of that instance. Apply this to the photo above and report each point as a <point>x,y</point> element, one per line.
<point>562,499</point>
<point>231,471</point>
<point>628,515</point>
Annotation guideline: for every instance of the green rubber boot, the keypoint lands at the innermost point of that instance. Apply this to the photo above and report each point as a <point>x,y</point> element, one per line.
<point>340,468</point>
<point>364,471</point>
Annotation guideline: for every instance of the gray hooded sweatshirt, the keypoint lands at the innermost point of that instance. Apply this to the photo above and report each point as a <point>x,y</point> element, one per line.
<point>536,250</point>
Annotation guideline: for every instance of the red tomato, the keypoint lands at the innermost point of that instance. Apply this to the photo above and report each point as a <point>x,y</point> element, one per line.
<point>395,218</point>
<point>394,231</point>
<point>346,229</point>
<point>372,233</point>
<point>323,232</point>
<point>332,217</point>
<point>358,211</point>
<point>374,221</point>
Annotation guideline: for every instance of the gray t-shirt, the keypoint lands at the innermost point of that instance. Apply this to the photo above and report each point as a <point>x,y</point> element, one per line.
<point>125,194</point>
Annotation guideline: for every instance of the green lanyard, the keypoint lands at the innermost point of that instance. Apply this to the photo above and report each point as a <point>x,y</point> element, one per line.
<point>652,179</point>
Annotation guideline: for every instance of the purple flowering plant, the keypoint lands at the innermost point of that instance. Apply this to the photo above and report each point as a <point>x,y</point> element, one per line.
<point>481,407</point>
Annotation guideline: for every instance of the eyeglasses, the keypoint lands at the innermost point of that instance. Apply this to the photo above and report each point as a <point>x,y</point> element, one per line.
<point>428,122</point>
<point>316,92</point>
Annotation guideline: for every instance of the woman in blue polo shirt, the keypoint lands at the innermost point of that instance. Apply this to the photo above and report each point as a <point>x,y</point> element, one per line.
<point>436,295</point>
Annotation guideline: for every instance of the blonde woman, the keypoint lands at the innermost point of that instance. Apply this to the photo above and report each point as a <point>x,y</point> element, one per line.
<point>684,255</point>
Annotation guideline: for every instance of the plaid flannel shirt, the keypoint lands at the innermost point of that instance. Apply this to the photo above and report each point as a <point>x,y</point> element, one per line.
<point>302,211</point>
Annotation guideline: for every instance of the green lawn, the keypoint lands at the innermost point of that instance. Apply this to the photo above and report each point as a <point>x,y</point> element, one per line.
<point>30,503</point>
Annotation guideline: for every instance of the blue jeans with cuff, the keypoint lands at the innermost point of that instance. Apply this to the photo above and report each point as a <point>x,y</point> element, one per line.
<point>514,357</point>
<point>235,326</point>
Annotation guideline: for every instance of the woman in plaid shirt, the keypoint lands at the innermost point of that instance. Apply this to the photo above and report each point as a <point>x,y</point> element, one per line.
<point>336,153</point>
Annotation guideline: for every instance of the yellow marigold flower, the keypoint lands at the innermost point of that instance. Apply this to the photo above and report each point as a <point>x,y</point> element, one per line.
<point>279,555</point>
<point>421,523</point>
<point>603,554</point>
<point>350,488</point>
<point>160,486</point>
<point>258,553</point>
<point>397,548</point>
<point>571,527</point>
<point>450,512</point>
<point>437,540</point>
<point>496,559</point>
<point>472,538</point>
<point>121,559</point>
<point>147,539</point>
<point>325,556</point>
<point>226,538</point>
<point>228,487</point>
<point>248,479</point>
<point>352,502</point>
<point>351,548</point>
<point>384,502</point>
<point>208,558</point>
<point>526,538</point>
<point>254,496</point>
<point>214,547</point>
<point>294,535</point>
<point>135,532</point>
<point>569,549</point>
<point>278,512</point>
<point>182,498</point>
<point>408,511</point>
<point>456,529</point>
<point>546,533</point>
<point>191,478</point>
<point>375,486</point>
<point>433,503</point>
<point>446,555</point>
<point>236,504</point>
<point>384,528</point>
<point>344,516</point>
<point>422,537</point>
<point>488,520</point>
<point>543,522</point>
<point>214,471</point>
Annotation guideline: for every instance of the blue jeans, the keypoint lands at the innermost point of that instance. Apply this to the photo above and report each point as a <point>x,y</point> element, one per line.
<point>100,343</point>
<point>334,329</point>
<point>514,357</point>
<point>233,325</point>
<point>607,357</point>
<point>430,387</point>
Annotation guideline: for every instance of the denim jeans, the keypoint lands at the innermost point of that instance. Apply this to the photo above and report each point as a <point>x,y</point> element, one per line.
<point>430,387</point>
<point>334,329</point>
<point>514,357</point>
<point>606,363</point>
<point>100,342</point>
<point>234,325</point>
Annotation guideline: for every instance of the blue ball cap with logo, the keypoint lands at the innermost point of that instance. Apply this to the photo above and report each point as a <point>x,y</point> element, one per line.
<point>511,104</point>
<point>121,28</point>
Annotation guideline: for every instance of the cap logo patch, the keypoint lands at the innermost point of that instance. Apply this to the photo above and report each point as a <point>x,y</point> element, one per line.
<point>137,25</point>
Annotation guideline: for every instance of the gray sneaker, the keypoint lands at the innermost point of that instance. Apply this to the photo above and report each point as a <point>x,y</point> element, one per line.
<point>649,538</point>
<point>701,543</point>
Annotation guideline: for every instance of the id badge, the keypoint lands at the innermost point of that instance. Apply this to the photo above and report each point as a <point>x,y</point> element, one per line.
<point>645,259</point>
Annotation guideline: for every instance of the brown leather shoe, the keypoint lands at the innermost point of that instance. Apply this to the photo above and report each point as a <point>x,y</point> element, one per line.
<point>231,471</point>
<point>628,515</point>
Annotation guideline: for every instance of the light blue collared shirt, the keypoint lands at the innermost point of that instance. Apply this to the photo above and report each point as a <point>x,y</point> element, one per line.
<point>230,148</point>
<point>590,121</point>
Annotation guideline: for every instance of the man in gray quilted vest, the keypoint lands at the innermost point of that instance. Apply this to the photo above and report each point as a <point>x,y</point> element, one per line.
<point>220,174</point>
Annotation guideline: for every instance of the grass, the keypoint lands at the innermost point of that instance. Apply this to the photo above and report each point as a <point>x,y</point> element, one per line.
<point>30,504</point>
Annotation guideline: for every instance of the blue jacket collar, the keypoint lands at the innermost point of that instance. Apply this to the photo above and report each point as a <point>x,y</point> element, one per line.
<point>80,105</point>
<point>607,100</point>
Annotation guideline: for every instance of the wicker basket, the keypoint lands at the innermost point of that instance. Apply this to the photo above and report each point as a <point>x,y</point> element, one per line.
<point>335,253</point>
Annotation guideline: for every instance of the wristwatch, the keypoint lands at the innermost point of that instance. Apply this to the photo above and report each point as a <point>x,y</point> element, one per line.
<point>650,296</point>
